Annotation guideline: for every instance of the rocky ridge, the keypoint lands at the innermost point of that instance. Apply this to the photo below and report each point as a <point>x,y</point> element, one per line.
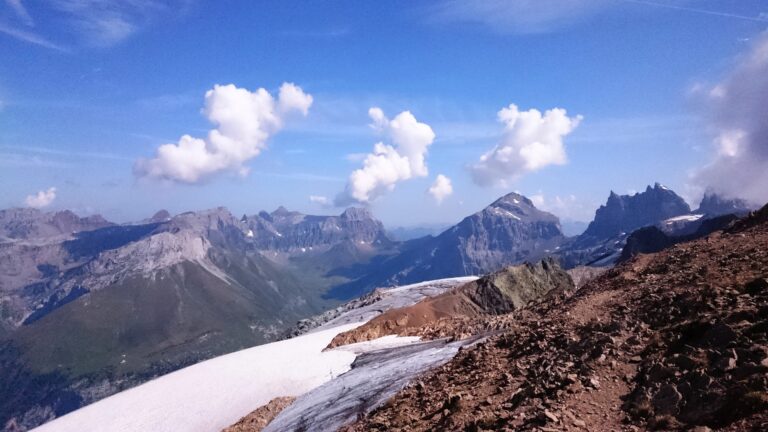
<point>674,340</point>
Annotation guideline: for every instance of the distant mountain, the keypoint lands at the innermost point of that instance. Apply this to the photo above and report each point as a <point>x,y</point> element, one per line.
<point>573,227</point>
<point>509,231</point>
<point>715,205</point>
<point>288,231</point>
<point>160,216</point>
<point>405,233</point>
<point>626,213</point>
<point>602,241</point>
<point>28,223</point>
<point>89,308</point>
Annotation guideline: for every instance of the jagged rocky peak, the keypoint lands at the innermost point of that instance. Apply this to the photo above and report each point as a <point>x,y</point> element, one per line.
<point>625,213</point>
<point>714,204</point>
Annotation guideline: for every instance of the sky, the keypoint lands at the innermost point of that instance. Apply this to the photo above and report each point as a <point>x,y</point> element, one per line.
<point>425,111</point>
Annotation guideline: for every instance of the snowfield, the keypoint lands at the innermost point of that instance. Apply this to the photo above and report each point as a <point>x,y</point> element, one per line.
<point>216,393</point>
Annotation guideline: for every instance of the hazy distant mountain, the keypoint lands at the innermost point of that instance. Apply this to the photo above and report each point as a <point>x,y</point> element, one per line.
<point>289,231</point>
<point>405,233</point>
<point>573,227</point>
<point>28,223</point>
<point>509,231</point>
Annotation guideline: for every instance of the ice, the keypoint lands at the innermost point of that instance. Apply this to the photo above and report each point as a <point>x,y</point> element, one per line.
<point>375,377</point>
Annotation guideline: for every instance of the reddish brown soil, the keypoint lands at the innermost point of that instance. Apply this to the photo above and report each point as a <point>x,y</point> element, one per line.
<point>260,418</point>
<point>411,319</point>
<point>677,340</point>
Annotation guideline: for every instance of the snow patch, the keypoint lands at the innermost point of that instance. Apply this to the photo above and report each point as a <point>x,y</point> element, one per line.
<point>505,213</point>
<point>684,218</point>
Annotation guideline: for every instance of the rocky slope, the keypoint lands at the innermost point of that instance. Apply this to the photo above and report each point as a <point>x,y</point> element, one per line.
<point>498,293</point>
<point>509,231</point>
<point>673,341</point>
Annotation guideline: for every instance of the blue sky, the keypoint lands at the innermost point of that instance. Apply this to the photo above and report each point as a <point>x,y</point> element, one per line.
<point>88,87</point>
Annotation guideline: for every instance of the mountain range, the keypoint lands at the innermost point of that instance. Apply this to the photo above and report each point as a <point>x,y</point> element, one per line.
<point>89,307</point>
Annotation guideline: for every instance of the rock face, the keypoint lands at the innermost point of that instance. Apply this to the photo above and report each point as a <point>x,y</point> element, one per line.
<point>509,231</point>
<point>713,204</point>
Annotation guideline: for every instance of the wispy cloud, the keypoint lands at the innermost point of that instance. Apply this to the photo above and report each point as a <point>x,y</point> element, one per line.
<point>94,23</point>
<point>763,17</point>
<point>20,11</point>
<point>66,153</point>
<point>30,37</point>
<point>522,17</point>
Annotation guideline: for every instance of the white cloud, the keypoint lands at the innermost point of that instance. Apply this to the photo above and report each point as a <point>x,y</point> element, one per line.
<point>441,188</point>
<point>519,16</point>
<point>389,164</point>
<point>739,119</point>
<point>43,198</point>
<point>531,142</point>
<point>245,120</point>
<point>319,199</point>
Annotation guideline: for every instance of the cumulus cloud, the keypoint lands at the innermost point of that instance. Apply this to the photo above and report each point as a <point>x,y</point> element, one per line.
<point>531,141</point>
<point>323,201</point>
<point>244,122</point>
<point>739,118</point>
<point>389,164</point>
<point>441,188</point>
<point>43,198</point>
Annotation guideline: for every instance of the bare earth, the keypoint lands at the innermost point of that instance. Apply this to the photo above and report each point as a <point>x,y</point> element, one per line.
<point>260,418</point>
